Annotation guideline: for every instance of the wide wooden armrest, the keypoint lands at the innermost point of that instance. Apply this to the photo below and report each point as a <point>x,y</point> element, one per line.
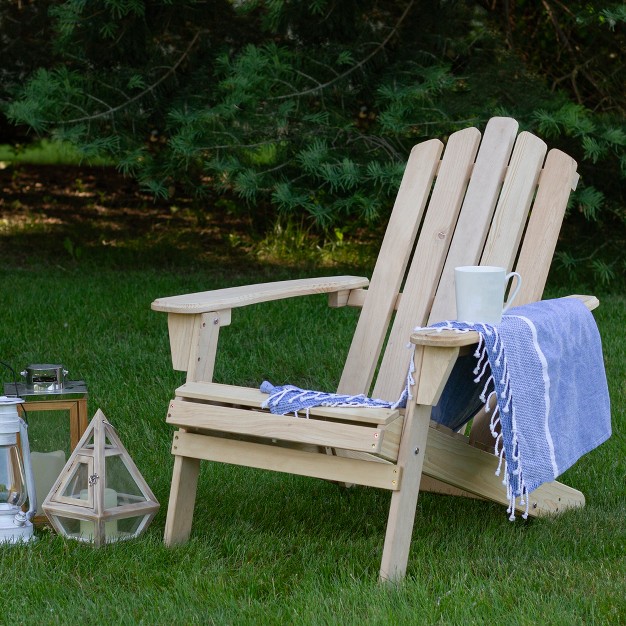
<point>444,338</point>
<point>452,339</point>
<point>232,297</point>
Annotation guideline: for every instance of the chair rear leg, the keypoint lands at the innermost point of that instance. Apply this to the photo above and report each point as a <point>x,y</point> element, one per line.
<point>182,500</point>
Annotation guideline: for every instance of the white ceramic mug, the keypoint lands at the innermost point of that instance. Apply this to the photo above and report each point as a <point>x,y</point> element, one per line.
<point>480,293</point>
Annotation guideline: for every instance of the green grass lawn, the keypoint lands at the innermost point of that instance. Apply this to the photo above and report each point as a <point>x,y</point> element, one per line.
<point>44,152</point>
<point>269,548</point>
<point>273,548</point>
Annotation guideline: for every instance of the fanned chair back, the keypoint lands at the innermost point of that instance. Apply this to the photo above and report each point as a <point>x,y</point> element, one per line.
<point>479,197</point>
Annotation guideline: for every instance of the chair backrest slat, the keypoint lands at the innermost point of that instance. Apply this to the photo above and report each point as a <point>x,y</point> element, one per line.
<point>557,180</point>
<point>429,257</point>
<point>520,184</point>
<point>390,267</point>
<point>477,211</point>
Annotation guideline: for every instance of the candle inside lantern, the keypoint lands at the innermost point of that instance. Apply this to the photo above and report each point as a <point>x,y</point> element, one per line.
<point>87,528</point>
<point>46,469</point>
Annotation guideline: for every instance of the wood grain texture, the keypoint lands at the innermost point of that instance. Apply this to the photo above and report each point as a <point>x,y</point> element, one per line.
<point>544,225</point>
<point>253,397</point>
<point>450,338</point>
<point>471,207</point>
<point>403,502</point>
<point>452,460</point>
<point>390,266</point>
<point>195,416</point>
<point>382,475</point>
<point>477,211</point>
<point>232,297</point>
<point>428,259</point>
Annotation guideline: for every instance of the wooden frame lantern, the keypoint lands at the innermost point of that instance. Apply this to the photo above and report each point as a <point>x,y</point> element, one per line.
<point>100,496</point>
<point>49,400</point>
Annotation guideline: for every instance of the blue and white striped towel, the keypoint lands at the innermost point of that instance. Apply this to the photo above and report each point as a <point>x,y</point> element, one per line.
<point>544,365</point>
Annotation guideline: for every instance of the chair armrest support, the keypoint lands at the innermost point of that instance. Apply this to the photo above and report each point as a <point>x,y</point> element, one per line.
<point>452,339</point>
<point>233,297</point>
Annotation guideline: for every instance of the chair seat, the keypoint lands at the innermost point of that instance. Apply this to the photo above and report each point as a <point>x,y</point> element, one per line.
<point>206,407</point>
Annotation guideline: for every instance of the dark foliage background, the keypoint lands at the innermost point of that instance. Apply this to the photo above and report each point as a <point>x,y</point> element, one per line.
<point>306,111</point>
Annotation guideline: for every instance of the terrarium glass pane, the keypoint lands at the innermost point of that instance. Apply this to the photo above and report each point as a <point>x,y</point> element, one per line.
<point>77,487</point>
<point>88,529</point>
<point>84,530</point>
<point>69,526</point>
<point>49,430</point>
<point>119,478</point>
<point>129,527</point>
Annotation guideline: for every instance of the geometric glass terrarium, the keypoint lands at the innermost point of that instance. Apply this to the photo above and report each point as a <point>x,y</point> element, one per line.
<point>100,496</point>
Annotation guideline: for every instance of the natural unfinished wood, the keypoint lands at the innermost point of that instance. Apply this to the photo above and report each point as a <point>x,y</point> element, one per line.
<point>232,297</point>
<point>390,267</point>
<point>492,200</point>
<point>183,330</point>
<point>452,339</point>
<point>477,210</point>
<point>247,396</point>
<point>557,178</point>
<point>402,509</point>
<point>382,475</point>
<point>514,204</point>
<point>452,460</point>
<point>287,428</point>
<point>431,249</point>
<point>437,363</point>
<point>182,499</point>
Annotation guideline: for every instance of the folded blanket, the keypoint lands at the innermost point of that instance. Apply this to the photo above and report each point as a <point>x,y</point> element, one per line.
<point>544,366</point>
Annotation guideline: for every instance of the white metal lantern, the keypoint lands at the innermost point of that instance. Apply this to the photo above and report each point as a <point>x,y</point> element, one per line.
<point>100,496</point>
<point>16,475</point>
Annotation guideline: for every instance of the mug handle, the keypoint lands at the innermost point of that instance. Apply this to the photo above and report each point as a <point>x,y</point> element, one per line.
<point>517,288</point>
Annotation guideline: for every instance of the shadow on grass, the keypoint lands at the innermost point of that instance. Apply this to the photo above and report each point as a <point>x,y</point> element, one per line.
<point>69,215</point>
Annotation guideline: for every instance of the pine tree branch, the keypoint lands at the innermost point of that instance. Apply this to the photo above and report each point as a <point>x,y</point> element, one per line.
<point>360,64</point>
<point>562,36</point>
<point>139,96</point>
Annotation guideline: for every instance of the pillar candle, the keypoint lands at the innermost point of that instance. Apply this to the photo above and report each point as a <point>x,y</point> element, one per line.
<point>87,529</point>
<point>46,469</point>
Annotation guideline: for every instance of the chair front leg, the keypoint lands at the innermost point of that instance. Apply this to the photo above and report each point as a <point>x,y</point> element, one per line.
<point>182,499</point>
<point>432,368</point>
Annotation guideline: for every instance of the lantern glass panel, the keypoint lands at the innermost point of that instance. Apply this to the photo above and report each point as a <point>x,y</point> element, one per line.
<point>69,526</point>
<point>100,477</point>
<point>12,488</point>
<point>49,430</point>
<point>119,478</point>
<point>76,487</point>
<point>128,527</point>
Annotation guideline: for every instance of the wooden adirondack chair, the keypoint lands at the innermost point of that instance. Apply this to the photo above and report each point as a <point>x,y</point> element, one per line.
<point>472,206</point>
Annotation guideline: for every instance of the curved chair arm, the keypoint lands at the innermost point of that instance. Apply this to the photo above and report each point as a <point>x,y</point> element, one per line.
<point>452,339</point>
<point>232,297</point>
